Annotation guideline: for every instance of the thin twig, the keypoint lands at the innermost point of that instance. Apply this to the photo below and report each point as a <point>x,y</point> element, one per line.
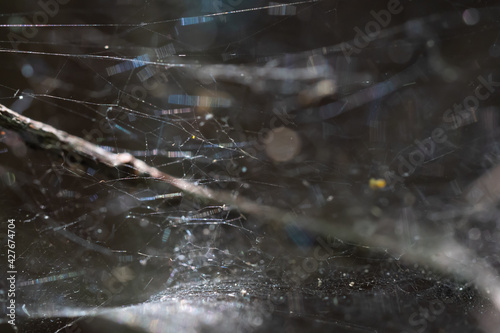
<point>445,255</point>
<point>47,137</point>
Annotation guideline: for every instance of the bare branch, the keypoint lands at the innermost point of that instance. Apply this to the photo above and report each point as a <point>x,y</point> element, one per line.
<point>446,255</point>
<point>45,136</point>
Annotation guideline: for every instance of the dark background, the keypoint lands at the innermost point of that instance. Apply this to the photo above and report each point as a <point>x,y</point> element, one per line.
<point>89,247</point>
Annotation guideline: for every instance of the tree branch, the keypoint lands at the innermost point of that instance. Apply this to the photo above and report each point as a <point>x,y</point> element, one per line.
<point>442,256</point>
<point>44,136</point>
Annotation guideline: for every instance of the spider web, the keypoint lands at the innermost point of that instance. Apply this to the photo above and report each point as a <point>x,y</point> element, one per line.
<point>261,99</point>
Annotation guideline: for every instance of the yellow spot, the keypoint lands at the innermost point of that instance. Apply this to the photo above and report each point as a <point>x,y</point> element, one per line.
<point>9,178</point>
<point>377,184</point>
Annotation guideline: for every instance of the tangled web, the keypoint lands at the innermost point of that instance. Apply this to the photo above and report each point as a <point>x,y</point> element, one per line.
<point>377,148</point>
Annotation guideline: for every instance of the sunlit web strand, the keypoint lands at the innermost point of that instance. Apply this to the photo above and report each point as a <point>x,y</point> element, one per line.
<point>92,56</point>
<point>81,25</point>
